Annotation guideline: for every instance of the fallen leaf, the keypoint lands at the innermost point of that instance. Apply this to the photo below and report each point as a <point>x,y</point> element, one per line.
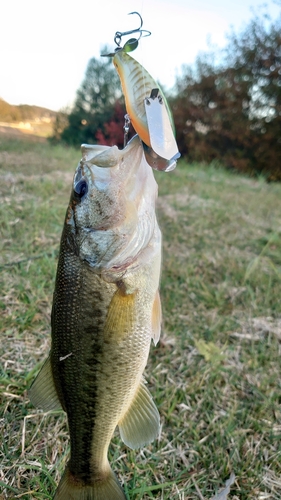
<point>222,495</point>
<point>209,350</point>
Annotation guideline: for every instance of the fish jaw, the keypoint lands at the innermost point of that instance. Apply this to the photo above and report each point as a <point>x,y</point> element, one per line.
<point>115,223</point>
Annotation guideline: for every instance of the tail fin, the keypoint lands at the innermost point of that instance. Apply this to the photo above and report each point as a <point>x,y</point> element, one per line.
<point>71,489</point>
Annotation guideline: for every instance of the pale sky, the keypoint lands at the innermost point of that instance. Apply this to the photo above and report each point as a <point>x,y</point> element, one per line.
<point>45,45</point>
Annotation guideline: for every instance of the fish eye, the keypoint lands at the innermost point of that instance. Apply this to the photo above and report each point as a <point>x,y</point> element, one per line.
<point>81,188</point>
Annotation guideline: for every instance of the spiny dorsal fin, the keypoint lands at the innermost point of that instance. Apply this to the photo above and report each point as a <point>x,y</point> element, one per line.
<point>43,392</point>
<point>141,423</point>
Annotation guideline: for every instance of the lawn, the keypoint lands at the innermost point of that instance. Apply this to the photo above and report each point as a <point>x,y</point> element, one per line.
<point>215,374</point>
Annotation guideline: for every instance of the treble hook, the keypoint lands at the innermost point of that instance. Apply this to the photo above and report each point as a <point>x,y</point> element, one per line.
<point>119,34</point>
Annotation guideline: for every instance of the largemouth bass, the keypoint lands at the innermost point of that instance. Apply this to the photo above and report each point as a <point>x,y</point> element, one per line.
<point>106,309</point>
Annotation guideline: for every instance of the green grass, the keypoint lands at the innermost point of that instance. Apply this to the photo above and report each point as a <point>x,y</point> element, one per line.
<point>215,375</point>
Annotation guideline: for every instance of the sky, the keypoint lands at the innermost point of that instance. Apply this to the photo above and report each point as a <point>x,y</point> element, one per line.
<point>45,45</point>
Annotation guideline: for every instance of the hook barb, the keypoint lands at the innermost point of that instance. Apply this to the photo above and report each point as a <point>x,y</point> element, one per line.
<point>119,34</point>
<point>131,44</point>
<point>138,14</point>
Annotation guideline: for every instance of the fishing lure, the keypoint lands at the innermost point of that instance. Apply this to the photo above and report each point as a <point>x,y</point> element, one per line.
<point>146,105</point>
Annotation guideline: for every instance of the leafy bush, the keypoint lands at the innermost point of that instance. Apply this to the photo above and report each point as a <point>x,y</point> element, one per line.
<point>232,111</point>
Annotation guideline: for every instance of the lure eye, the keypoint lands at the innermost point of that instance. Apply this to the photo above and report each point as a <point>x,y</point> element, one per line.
<point>81,188</point>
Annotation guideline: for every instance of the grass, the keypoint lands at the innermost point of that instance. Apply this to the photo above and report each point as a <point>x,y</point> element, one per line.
<point>215,375</point>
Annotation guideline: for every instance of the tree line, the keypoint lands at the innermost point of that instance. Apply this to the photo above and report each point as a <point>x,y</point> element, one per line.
<point>226,107</point>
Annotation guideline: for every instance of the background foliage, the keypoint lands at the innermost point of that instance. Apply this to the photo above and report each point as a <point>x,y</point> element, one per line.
<point>232,111</point>
<point>226,107</point>
<point>98,112</point>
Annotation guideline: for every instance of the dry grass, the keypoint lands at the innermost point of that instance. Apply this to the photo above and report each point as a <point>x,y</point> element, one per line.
<point>215,375</point>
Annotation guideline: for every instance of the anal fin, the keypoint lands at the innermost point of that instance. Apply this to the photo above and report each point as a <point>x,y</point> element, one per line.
<point>43,393</point>
<point>141,423</point>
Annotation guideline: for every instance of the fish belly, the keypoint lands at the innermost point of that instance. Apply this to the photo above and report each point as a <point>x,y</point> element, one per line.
<point>100,344</point>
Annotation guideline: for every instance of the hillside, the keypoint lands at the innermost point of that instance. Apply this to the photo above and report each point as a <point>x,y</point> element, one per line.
<point>10,113</point>
<point>34,120</point>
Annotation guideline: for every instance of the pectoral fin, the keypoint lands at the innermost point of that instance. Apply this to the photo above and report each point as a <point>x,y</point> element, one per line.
<point>120,317</point>
<point>156,318</point>
<point>43,392</point>
<point>141,423</point>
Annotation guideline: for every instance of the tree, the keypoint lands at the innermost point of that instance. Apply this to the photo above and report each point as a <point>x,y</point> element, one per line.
<point>257,55</point>
<point>95,103</point>
<point>232,111</point>
<point>113,130</point>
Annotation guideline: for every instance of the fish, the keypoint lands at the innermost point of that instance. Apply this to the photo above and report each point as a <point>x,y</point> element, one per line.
<point>148,110</point>
<point>106,309</point>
